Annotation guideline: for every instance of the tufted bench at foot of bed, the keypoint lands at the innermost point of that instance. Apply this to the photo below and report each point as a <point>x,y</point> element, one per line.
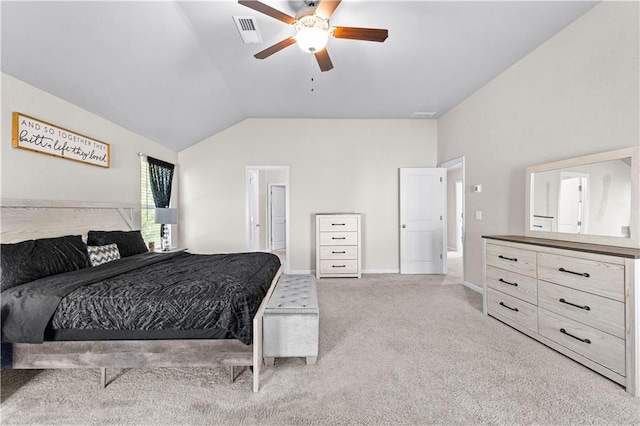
<point>291,320</point>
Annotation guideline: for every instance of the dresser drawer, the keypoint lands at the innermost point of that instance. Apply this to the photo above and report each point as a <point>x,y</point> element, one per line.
<point>338,252</point>
<point>339,266</point>
<point>338,238</point>
<point>515,309</point>
<point>512,259</point>
<point>511,283</point>
<point>601,278</point>
<point>596,345</point>
<point>598,312</point>
<point>338,224</point>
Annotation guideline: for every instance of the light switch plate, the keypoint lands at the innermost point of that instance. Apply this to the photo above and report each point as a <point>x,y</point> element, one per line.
<point>478,214</point>
<point>477,188</point>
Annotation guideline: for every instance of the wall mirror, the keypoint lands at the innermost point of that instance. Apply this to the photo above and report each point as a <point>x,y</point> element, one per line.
<point>592,199</point>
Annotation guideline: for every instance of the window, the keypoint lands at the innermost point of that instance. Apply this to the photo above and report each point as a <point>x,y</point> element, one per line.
<point>149,229</point>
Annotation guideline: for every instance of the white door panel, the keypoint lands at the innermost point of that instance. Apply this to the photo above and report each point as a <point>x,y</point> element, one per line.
<point>278,211</point>
<point>422,224</point>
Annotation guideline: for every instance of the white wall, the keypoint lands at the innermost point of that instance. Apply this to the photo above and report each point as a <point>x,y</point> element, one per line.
<point>31,175</point>
<point>575,95</point>
<point>335,166</point>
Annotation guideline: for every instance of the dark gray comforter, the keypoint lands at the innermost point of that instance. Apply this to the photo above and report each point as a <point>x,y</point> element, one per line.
<point>150,291</point>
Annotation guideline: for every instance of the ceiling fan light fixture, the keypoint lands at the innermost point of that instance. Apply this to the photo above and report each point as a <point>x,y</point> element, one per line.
<point>312,39</point>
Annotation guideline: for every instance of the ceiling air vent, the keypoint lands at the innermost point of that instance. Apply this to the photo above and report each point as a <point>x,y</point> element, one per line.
<point>248,28</point>
<point>423,114</point>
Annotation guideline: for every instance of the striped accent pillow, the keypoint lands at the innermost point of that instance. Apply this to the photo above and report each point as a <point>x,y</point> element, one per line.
<point>103,254</point>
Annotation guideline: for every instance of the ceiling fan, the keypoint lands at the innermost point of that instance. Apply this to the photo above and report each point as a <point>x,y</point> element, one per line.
<point>312,29</point>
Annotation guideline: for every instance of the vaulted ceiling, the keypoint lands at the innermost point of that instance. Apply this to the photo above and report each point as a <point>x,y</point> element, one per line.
<point>178,72</point>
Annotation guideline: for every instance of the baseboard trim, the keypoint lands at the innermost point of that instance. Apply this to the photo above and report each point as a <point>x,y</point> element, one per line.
<point>380,271</point>
<point>472,286</point>
<point>301,272</point>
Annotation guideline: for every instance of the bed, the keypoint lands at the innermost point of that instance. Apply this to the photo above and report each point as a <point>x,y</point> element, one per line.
<point>140,311</point>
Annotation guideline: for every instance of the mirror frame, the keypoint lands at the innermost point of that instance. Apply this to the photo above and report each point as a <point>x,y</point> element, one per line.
<point>633,241</point>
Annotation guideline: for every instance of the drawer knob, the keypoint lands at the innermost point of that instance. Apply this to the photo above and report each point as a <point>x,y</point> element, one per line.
<point>582,274</point>
<point>563,331</point>
<point>509,307</point>
<point>338,266</point>
<point>513,259</point>
<point>338,224</point>
<point>507,282</point>
<point>338,238</point>
<point>585,307</point>
<point>339,252</point>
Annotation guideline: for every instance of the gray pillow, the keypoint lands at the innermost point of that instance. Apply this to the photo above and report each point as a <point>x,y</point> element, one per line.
<point>128,242</point>
<point>31,260</point>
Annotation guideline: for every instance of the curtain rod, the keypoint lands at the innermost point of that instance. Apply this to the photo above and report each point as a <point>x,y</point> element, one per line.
<point>142,154</point>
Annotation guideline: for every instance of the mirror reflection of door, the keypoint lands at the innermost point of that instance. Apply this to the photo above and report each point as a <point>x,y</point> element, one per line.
<point>573,203</point>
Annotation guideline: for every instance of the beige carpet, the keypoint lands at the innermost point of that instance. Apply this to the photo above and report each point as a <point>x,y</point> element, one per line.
<point>393,350</point>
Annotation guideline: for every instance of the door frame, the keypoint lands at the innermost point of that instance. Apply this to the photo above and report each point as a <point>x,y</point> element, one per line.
<point>452,165</point>
<point>287,208</point>
<point>459,194</point>
<point>270,224</point>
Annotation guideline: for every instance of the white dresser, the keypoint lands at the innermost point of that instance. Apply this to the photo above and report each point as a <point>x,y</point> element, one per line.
<point>579,299</point>
<point>338,246</point>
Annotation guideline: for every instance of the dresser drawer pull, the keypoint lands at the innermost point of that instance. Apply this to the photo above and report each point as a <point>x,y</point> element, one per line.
<point>338,266</point>
<point>338,252</point>
<point>586,308</point>
<point>507,282</point>
<point>509,307</point>
<point>563,331</point>
<point>338,238</point>
<point>513,259</point>
<point>582,274</point>
<point>338,224</point>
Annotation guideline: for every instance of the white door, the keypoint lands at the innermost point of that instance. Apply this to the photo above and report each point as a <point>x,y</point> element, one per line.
<point>253,203</point>
<point>278,222</point>
<point>422,220</point>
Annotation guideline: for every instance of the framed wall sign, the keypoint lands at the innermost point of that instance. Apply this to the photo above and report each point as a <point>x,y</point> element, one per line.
<point>46,138</point>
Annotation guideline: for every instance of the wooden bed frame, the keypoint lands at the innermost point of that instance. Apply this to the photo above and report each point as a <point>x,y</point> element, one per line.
<point>30,219</point>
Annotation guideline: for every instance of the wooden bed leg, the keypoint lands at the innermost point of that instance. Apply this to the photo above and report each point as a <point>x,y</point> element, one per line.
<point>269,361</point>
<point>257,349</point>
<point>103,377</point>
<point>233,373</point>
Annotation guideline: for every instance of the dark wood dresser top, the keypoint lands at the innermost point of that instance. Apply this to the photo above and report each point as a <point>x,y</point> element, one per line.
<point>631,253</point>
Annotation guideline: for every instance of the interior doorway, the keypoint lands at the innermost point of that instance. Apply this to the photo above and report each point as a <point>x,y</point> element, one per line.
<point>456,217</point>
<point>267,211</point>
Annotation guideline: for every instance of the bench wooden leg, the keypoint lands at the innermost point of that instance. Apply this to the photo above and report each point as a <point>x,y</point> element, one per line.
<point>268,361</point>
<point>103,377</point>
<point>232,370</point>
<point>311,360</point>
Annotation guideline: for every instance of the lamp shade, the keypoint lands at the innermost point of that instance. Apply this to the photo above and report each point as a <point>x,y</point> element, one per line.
<point>167,216</point>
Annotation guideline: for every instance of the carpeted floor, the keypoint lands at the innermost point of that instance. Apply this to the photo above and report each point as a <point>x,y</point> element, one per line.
<point>393,350</point>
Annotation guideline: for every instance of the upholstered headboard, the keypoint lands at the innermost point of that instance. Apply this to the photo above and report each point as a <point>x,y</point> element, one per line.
<point>22,219</point>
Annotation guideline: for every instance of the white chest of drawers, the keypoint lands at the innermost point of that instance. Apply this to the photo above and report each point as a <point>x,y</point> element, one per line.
<point>338,245</point>
<point>579,299</point>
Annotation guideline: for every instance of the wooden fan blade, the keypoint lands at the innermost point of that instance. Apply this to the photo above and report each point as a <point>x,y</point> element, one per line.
<point>275,48</point>
<point>324,60</point>
<point>366,34</point>
<point>268,10</point>
<point>326,8</point>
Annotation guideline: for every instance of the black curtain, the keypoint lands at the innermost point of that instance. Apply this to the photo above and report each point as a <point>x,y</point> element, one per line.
<point>160,177</point>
